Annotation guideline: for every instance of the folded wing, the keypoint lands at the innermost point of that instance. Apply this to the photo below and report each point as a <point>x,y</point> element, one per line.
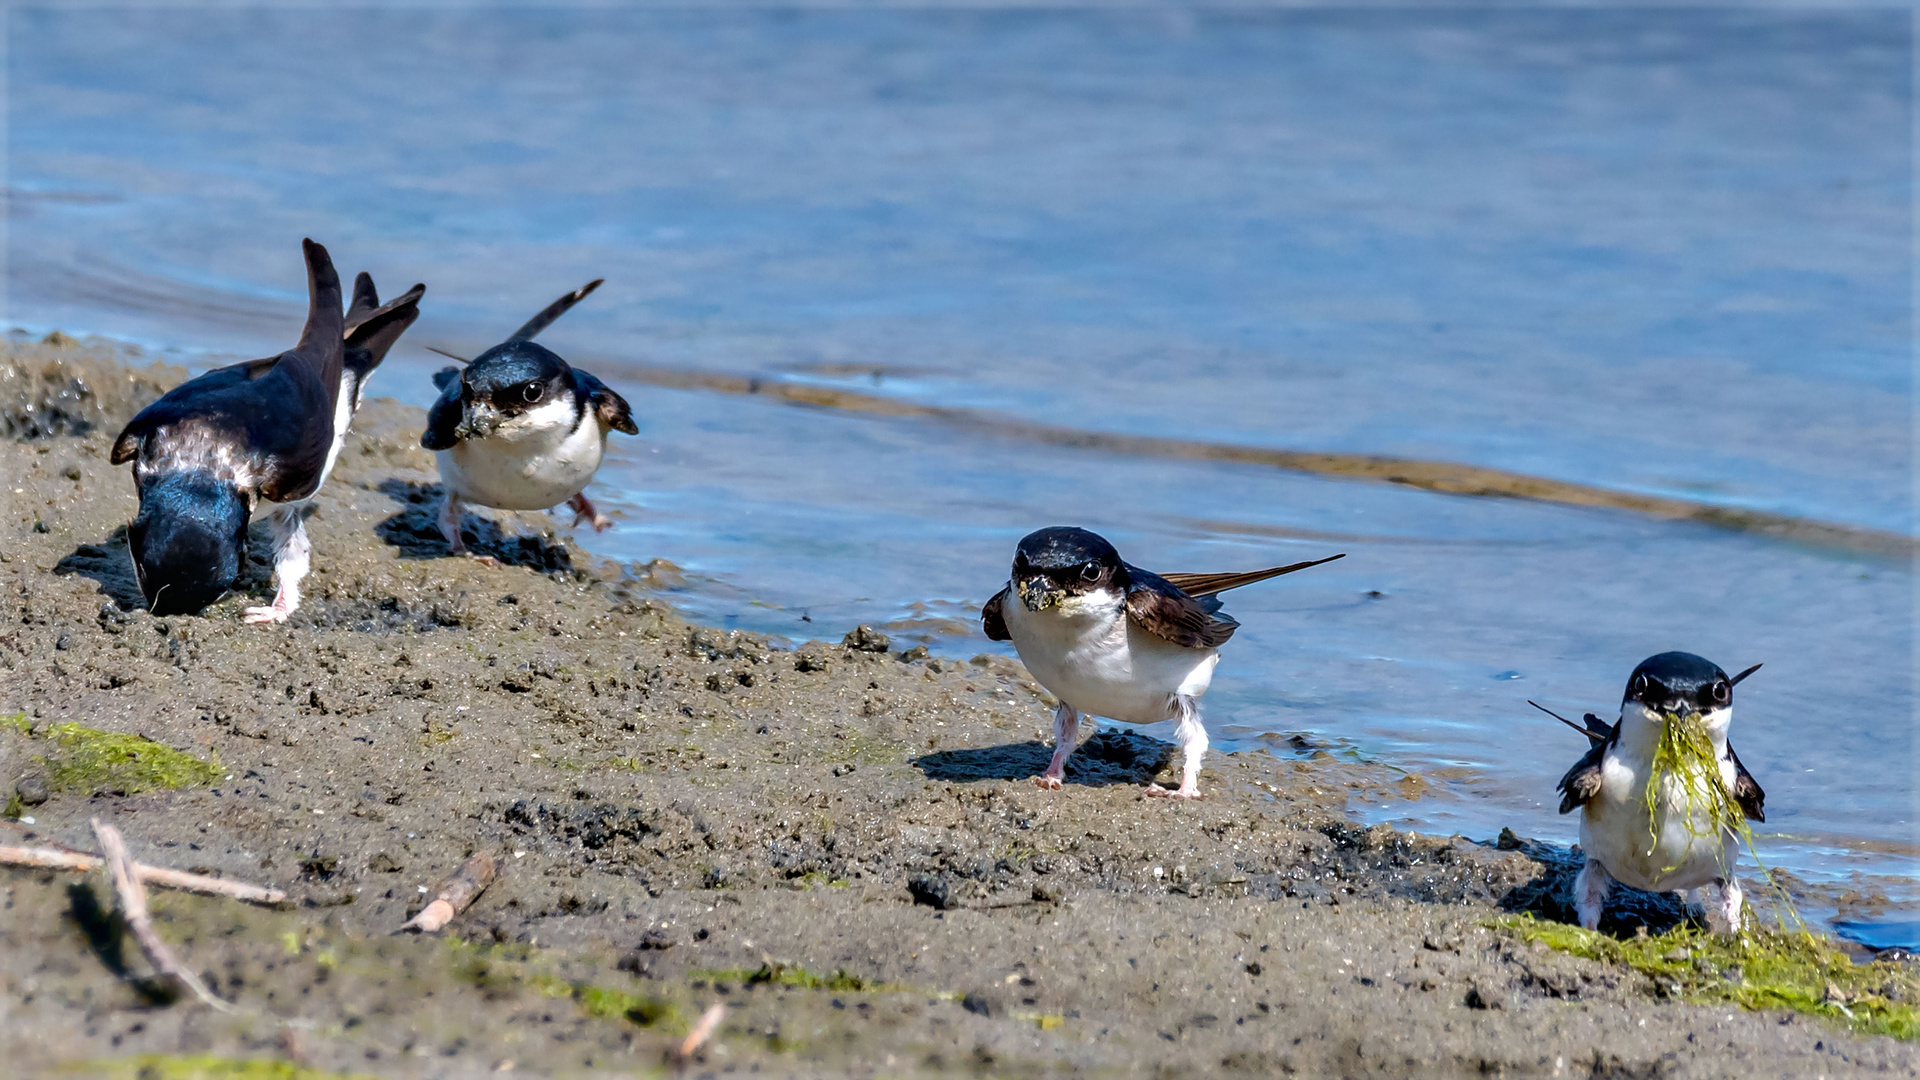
<point>1209,584</point>
<point>1164,610</point>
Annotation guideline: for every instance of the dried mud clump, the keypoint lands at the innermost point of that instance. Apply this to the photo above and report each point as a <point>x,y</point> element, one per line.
<point>60,386</point>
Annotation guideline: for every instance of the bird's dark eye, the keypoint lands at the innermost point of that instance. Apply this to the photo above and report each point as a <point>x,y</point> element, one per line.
<point>1090,572</point>
<point>1020,563</point>
<point>530,393</point>
<point>1719,693</point>
<point>1639,687</point>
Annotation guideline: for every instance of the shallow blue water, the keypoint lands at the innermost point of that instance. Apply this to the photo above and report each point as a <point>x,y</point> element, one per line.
<point>1656,251</point>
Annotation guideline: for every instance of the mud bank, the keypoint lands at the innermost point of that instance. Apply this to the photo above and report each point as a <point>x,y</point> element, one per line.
<point>840,841</point>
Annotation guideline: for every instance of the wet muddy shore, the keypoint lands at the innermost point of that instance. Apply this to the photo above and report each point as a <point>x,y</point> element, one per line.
<point>839,841</point>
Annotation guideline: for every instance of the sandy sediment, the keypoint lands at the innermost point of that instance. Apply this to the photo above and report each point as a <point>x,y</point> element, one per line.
<point>839,842</point>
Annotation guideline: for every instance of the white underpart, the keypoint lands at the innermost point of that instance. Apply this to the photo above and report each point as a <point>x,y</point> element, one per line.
<point>1087,653</point>
<point>533,461</point>
<point>291,552</point>
<point>288,521</point>
<point>344,407</point>
<point>1676,848</point>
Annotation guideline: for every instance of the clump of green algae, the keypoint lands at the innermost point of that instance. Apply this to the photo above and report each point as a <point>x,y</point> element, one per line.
<point>1685,753</point>
<point>95,762</point>
<point>1758,969</point>
<point>784,975</point>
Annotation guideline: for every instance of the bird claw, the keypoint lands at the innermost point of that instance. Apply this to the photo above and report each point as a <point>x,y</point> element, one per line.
<point>585,511</point>
<point>1155,791</point>
<point>1050,783</point>
<point>485,560</point>
<point>273,614</point>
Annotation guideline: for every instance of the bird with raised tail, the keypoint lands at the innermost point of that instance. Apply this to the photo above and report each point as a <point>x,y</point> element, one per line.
<point>1110,639</point>
<point>265,431</point>
<point>518,428</point>
<point>1683,836</point>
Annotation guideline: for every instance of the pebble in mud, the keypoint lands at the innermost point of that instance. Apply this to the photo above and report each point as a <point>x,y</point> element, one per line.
<point>933,890</point>
<point>32,789</point>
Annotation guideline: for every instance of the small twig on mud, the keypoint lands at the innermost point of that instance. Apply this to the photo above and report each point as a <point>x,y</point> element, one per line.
<point>466,883</point>
<point>46,858</point>
<point>702,1031</point>
<point>133,908</point>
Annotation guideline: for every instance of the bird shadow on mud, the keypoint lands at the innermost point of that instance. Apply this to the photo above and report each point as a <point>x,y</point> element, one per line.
<point>1109,757</point>
<point>1550,894</point>
<point>110,566</point>
<point>415,530</point>
<point>105,932</point>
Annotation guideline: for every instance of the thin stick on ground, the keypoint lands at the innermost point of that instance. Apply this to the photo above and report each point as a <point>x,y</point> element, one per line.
<point>133,908</point>
<point>46,858</point>
<point>459,890</point>
<point>703,1029</point>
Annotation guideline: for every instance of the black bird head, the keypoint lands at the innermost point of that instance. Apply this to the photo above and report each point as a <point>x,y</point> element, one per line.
<point>189,541</point>
<point>508,381</point>
<point>1062,562</point>
<point>1678,683</point>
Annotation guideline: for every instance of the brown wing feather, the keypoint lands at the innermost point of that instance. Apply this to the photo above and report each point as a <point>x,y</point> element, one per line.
<point>367,308</point>
<point>320,347</point>
<point>993,617</point>
<point>553,311</point>
<point>1208,584</point>
<point>1746,790</point>
<point>1167,612</point>
<point>1582,782</point>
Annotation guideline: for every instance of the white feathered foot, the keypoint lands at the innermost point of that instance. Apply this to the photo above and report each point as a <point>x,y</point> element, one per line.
<point>291,560</point>
<point>1191,736</point>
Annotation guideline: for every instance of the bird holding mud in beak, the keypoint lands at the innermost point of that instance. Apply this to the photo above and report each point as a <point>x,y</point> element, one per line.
<point>519,429</point>
<point>1683,834</point>
<point>1110,639</point>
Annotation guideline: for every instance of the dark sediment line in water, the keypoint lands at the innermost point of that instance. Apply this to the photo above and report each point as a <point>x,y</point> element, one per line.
<point>1451,478</point>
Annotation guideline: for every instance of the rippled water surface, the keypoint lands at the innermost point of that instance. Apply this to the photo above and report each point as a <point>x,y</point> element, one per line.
<point>1665,253</point>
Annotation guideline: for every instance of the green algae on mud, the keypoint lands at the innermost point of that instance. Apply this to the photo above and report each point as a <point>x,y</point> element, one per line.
<point>164,1067</point>
<point>92,762</point>
<point>1757,969</point>
<point>497,969</point>
<point>777,974</point>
